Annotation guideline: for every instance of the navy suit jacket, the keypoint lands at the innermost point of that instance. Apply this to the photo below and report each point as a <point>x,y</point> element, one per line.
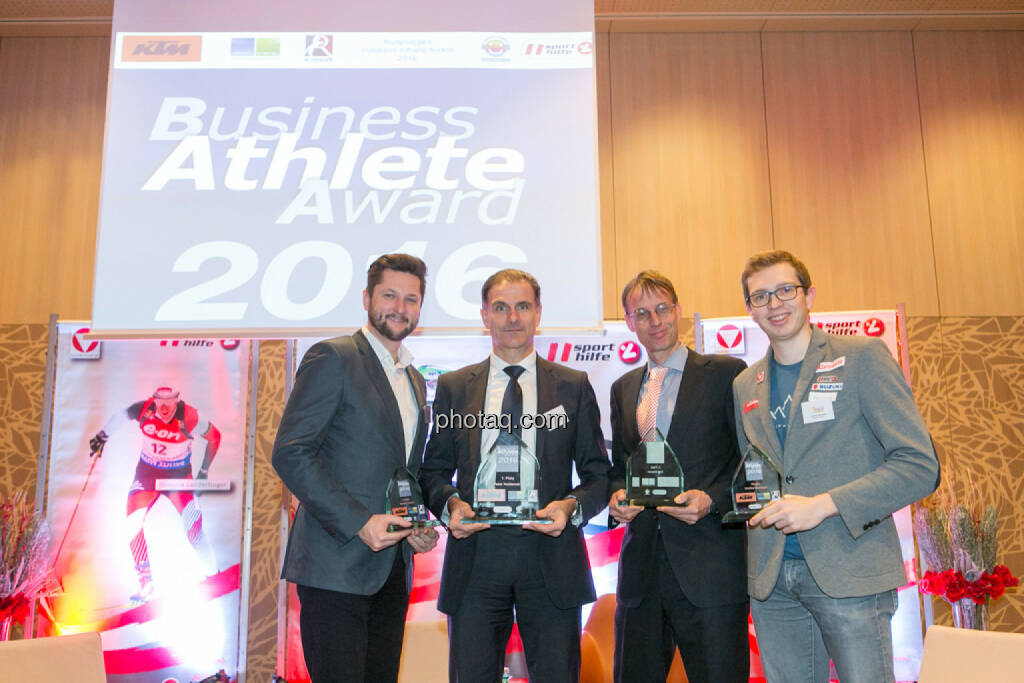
<point>563,560</point>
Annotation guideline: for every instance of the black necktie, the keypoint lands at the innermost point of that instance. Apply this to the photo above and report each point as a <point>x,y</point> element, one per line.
<point>512,402</point>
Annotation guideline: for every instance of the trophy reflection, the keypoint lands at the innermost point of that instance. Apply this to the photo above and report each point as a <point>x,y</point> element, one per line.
<point>507,485</point>
<point>756,482</point>
<point>653,475</point>
<point>405,499</point>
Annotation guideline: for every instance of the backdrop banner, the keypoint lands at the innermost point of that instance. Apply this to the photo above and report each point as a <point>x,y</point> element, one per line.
<point>149,528</point>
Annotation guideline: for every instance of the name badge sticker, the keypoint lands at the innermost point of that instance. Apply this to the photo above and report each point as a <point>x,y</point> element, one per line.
<point>817,411</point>
<point>821,396</point>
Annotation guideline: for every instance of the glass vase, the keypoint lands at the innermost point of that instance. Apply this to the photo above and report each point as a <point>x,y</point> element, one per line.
<point>969,614</point>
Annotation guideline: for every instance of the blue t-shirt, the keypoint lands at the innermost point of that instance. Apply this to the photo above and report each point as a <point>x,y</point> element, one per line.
<point>783,383</point>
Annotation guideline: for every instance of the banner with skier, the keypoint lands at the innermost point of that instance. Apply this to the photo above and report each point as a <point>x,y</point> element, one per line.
<point>145,501</point>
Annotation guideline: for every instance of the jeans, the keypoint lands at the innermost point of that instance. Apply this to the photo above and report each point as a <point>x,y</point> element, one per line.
<point>799,627</point>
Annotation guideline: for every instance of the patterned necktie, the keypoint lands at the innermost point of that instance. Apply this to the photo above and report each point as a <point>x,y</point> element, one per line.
<point>647,410</point>
<point>512,401</point>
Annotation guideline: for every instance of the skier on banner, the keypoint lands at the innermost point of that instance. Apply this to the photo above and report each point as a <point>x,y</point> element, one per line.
<point>168,426</point>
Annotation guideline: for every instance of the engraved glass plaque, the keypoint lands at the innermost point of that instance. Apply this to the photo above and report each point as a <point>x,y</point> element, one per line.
<point>405,499</point>
<point>653,475</point>
<point>507,486</point>
<point>756,482</point>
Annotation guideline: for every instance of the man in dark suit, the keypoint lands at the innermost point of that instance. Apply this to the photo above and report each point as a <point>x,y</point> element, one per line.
<point>357,413</point>
<point>682,575</point>
<point>540,570</point>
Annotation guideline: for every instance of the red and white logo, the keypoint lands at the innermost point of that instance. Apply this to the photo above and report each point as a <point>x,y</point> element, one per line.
<point>629,352</point>
<point>82,348</point>
<point>730,339</point>
<point>230,344</point>
<point>873,327</point>
<point>553,352</point>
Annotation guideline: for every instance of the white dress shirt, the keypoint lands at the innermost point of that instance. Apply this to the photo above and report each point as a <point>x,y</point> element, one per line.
<point>401,385</point>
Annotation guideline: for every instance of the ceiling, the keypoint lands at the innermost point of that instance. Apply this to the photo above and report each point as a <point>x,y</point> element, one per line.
<point>92,17</point>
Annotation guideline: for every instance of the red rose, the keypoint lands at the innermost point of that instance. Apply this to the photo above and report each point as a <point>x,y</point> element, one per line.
<point>956,589</point>
<point>978,590</point>
<point>995,585</point>
<point>1005,575</point>
<point>927,583</point>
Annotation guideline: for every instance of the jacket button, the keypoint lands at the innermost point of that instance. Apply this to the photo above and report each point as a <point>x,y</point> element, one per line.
<point>790,479</point>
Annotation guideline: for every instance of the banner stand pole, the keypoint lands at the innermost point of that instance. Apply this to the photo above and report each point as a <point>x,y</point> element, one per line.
<point>250,486</point>
<point>286,502</point>
<point>44,444</point>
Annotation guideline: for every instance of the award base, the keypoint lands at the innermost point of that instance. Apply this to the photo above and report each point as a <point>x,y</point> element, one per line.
<point>651,502</point>
<point>504,519</point>
<point>416,524</point>
<point>733,516</point>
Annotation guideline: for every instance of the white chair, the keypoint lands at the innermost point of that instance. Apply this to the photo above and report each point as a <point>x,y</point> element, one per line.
<point>959,654</point>
<point>60,659</point>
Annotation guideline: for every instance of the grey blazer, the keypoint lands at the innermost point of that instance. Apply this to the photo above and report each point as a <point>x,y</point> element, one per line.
<point>873,458</point>
<point>339,443</point>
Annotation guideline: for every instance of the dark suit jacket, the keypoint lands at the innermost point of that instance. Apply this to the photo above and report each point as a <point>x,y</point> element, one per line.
<point>563,560</point>
<point>339,443</point>
<point>708,559</point>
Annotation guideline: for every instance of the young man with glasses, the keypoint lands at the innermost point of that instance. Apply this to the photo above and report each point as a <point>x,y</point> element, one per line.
<point>836,414</point>
<point>681,573</point>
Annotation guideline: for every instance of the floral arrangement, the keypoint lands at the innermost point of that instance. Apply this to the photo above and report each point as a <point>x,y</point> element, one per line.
<point>960,551</point>
<point>25,570</point>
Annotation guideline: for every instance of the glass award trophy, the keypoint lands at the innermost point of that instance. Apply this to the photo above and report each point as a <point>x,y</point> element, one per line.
<point>653,474</point>
<point>756,482</point>
<point>405,499</point>
<point>507,485</point>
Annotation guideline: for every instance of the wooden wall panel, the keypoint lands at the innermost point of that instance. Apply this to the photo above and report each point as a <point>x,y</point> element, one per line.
<point>691,181</point>
<point>606,176</point>
<point>972,111</point>
<point>847,174</point>
<point>52,105</point>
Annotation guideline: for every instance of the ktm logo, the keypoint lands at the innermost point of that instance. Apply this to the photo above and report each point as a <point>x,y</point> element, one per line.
<point>162,49</point>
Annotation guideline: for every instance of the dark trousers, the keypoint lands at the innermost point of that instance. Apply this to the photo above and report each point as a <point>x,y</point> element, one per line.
<point>712,641</point>
<point>506,585</point>
<point>349,638</point>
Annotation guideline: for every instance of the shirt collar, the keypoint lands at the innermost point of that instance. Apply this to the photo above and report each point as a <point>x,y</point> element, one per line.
<point>385,357</point>
<point>529,364</point>
<point>677,361</point>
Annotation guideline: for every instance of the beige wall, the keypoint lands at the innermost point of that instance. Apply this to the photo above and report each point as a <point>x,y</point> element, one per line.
<point>890,161</point>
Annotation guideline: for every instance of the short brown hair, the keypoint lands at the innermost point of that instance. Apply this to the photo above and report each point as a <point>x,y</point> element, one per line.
<point>403,263</point>
<point>767,259</point>
<point>649,281</point>
<point>509,275</point>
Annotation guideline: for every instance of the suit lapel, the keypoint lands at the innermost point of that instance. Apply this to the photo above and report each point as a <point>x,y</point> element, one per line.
<point>691,390</point>
<point>545,399</point>
<point>392,429</point>
<point>796,431</point>
<point>631,384</point>
<point>476,394</point>
<point>422,418</point>
<point>763,394</point>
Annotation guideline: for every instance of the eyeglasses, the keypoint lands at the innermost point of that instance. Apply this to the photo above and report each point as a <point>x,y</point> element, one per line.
<point>783,293</point>
<point>643,316</point>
